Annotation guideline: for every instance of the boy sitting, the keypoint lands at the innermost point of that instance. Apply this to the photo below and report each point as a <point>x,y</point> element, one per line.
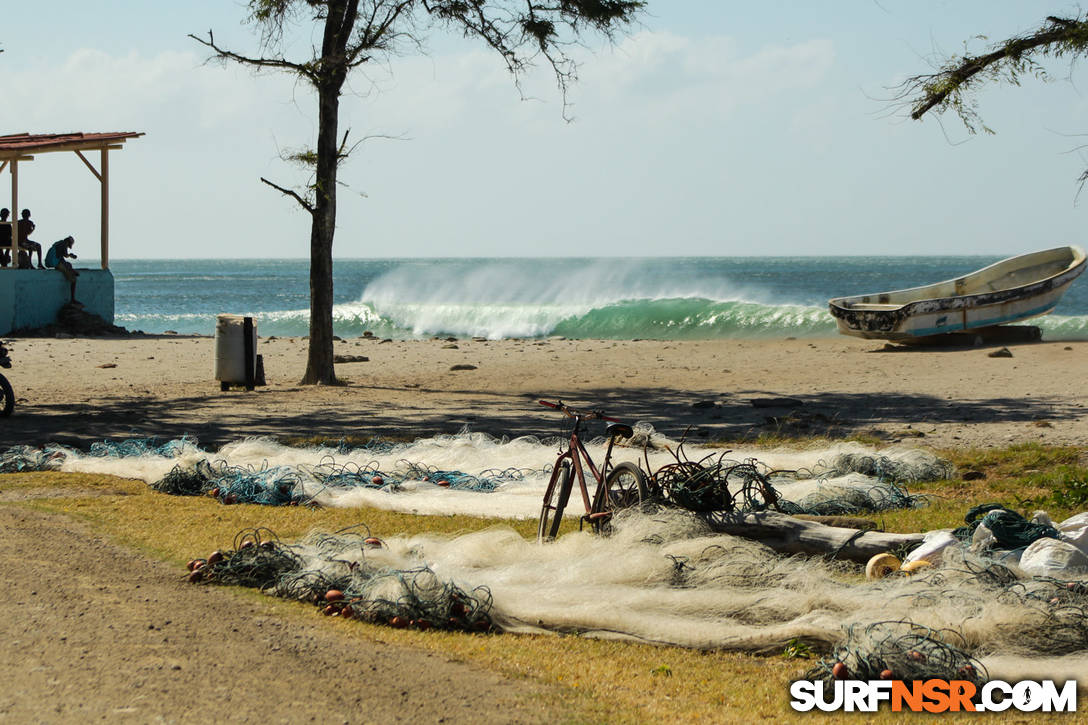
<point>55,258</point>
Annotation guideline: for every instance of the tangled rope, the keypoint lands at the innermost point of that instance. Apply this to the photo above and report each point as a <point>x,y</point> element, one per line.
<point>705,485</point>
<point>1010,530</point>
<point>719,485</point>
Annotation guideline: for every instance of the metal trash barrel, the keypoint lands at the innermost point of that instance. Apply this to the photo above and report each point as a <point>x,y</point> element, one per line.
<point>235,351</point>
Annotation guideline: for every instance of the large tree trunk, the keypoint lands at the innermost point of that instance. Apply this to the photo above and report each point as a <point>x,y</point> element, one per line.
<point>319,361</point>
<point>339,21</point>
<point>788,535</point>
<point>319,364</point>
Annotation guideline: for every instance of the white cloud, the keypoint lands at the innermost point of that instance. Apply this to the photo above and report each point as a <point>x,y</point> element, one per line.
<point>660,77</point>
<point>673,77</point>
<point>481,161</point>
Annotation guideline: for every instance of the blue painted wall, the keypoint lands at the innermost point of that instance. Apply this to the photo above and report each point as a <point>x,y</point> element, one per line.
<point>33,297</point>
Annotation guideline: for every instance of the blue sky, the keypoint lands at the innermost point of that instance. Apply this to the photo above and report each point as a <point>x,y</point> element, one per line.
<point>716,129</point>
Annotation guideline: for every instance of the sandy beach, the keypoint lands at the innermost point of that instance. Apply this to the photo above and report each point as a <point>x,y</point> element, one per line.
<point>77,390</point>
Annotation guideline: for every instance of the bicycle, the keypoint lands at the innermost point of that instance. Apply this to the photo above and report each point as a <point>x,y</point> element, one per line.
<point>7,395</point>
<point>620,486</point>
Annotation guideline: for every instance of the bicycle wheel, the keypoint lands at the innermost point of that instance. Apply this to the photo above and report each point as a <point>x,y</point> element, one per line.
<point>7,397</point>
<point>555,500</point>
<point>625,487</point>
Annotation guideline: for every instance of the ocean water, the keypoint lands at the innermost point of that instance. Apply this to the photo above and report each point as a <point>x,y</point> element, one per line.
<point>681,299</point>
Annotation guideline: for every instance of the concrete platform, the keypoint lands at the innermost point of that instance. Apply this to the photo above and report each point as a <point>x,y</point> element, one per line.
<point>31,298</point>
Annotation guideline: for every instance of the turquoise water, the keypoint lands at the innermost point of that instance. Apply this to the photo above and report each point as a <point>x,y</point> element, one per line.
<point>692,298</point>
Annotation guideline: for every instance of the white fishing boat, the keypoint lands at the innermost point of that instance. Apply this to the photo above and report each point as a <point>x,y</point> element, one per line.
<point>1011,290</point>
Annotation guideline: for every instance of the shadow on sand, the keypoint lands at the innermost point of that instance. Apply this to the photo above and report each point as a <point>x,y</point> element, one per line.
<point>360,412</point>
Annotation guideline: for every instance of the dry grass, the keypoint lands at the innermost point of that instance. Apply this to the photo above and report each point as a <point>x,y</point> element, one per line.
<point>603,681</point>
<point>609,681</point>
<point>1016,460</point>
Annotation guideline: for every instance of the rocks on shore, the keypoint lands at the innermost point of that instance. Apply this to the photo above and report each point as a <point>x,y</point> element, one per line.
<point>74,321</point>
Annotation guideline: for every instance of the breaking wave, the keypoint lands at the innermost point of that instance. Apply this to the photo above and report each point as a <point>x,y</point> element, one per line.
<point>692,299</point>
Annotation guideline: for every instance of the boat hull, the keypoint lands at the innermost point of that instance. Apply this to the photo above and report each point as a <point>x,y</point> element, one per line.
<point>925,311</point>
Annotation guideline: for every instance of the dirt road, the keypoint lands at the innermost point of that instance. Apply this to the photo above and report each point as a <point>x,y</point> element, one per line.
<point>90,631</point>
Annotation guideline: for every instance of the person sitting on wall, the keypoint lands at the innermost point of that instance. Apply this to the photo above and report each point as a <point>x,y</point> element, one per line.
<point>5,237</point>
<point>25,228</point>
<point>55,258</point>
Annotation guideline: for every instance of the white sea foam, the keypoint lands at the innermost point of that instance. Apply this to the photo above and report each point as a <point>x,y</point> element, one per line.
<point>510,298</point>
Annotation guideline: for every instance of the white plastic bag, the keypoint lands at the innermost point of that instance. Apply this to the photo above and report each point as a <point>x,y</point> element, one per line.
<point>1078,537</point>
<point>1074,521</point>
<point>1053,557</point>
<point>1075,530</point>
<point>932,547</point>
<point>982,539</point>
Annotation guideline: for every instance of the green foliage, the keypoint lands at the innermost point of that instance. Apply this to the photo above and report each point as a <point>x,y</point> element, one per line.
<point>1068,485</point>
<point>797,649</point>
<point>1007,61</point>
<point>306,157</point>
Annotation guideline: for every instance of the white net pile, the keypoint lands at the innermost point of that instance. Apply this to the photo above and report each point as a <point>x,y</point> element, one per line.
<point>666,578</point>
<point>448,474</point>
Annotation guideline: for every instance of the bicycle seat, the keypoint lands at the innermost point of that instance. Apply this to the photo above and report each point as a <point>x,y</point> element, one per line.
<point>619,430</point>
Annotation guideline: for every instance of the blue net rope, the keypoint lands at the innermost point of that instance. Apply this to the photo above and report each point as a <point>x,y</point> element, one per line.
<point>269,485</point>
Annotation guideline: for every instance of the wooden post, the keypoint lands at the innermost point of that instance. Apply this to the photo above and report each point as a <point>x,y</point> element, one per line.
<point>248,366</point>
<point>14,213</point>
<point>104,171</point>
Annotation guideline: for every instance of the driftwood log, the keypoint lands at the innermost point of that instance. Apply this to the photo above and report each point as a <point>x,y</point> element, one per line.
<point>789,535</point>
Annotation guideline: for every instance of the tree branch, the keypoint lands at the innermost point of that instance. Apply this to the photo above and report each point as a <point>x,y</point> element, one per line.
<point>1061,36</point>
<point>1006,61</point>
<point>275,63</point>
<point>291,193</point>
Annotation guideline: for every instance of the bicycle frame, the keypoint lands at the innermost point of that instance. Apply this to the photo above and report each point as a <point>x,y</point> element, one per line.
<point>579,457</point>
<point>574,461</point>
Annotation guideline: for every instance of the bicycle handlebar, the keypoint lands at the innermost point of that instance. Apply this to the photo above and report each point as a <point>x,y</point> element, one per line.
<point>573,413</point>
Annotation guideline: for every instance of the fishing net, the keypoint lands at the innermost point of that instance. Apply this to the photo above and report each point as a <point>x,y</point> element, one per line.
<point>134,447</point>
<point>19,459</point>
<point>846,495</point>
<point>899,651</point>
<point>266,485</point>
<point>184,481</point>
<point>716,483</point>
<point>908,466</point>
<point>333,572</point>
<point>667,578</point>
<point>443,475</point>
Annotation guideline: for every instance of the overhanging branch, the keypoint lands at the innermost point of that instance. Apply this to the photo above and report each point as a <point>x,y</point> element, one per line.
<point>283,64</point>
<point>291,193</point>
<point>938,88</point>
